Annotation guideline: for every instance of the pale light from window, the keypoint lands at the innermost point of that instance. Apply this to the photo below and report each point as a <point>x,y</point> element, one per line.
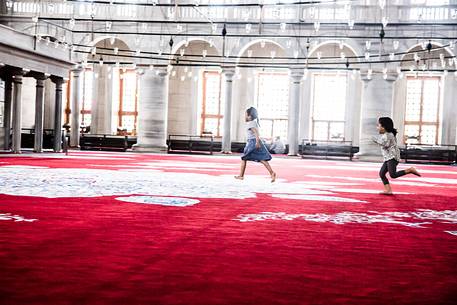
<point>422,110</point>
<point>128,102</point>
<point>272,102</point>
<point>87,97</point>
<point>329,105</point>
<point>212,109</point>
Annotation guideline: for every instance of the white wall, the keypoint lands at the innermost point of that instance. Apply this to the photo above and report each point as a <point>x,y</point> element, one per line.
<point>49,104</point>
<point>449,111</point>
<point>28,102</point>
<point>399,107</point>
<point>184,97</point>
<point>2,112</point>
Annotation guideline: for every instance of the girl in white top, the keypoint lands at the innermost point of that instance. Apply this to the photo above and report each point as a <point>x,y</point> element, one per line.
<point>254,150</point>
<point>390,153</point>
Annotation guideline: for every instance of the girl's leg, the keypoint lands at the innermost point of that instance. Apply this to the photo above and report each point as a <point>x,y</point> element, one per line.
<point>413,171</point>
<point>242,170</point>
<point>270,170</point>
<point>392,166</point>
<point>382,174</point>
<point>387,189</point>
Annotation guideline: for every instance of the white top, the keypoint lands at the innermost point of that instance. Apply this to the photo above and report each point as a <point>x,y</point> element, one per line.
<point>389,147</point>
<point>249,125</point>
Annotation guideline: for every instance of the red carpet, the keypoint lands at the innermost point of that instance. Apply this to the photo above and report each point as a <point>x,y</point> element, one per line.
<point>183,231</point>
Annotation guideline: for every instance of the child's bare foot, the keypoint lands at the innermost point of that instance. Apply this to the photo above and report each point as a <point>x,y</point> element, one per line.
<point>273,177</point>
<point>386,193</point>
<point>414,171</point>
<point>239,177</point>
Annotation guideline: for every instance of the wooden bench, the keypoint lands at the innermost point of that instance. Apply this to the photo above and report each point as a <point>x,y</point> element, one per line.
<point>199,144</point>
<point>28,138</point>
<point>433,154</point>
<point>236,147</point>
<point>327,149</point>
<point>190,144</point>
<point>103,142</point>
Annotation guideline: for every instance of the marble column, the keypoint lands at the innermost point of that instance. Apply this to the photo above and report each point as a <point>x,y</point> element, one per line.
<point>76,96</point>
<point>39,113</point>
<point>377,101</point>
<point>449,124</point>
<point>8,108</point>
<point>58,114</point>
<point>227,126</point>
<point>352,108</point>
<point>153,111</point>
<point>305,108</point>
<point>17,113</point>
<point>296,76</point>
<point>102,105</point>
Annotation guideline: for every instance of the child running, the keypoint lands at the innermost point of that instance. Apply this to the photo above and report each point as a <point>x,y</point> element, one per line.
<point>254,150</point>
<point>390,153</point>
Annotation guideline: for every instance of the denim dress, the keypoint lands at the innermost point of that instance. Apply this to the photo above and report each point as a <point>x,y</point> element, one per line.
<point>252,153</point>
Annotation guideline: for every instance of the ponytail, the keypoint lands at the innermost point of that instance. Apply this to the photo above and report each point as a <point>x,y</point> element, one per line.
<point>388,125</point>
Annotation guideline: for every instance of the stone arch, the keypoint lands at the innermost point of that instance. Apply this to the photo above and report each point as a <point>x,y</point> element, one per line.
<point>346,46</point>
<point>418,47</point>
<point>177,46</point>
<point>245,47</point>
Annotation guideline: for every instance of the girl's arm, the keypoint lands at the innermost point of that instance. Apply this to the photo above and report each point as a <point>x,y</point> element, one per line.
<point>384,141</point>
<point>257,137</point>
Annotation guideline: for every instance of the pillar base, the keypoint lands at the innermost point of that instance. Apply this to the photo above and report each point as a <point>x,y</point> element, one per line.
<point>226,152</point>
<point>149,148</point>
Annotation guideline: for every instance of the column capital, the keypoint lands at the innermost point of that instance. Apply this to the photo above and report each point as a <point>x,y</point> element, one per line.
<point>390,77</point>
<point>140,71</point>
<point>159,71</point>
<point>57,80</point>
<point>7,72</point>
<point>76,70</point>
<point>37,75</point>
<point>296,74</point>
<point>17,79</point>
<point>228,71</point>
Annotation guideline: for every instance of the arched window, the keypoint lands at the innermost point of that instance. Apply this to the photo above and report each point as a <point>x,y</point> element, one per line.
<point>329,102</point>
<point>212,108</point>
<point>86,105</point>
<point>128,100</point>
<point>272,102</point>
<point>422,109</point>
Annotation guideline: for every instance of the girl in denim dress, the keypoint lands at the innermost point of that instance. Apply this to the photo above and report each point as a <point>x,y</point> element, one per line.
<point>255,149</point>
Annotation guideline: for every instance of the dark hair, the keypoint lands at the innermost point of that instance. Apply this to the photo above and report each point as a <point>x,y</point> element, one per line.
<point>388,124</point>
<point>252,112</point>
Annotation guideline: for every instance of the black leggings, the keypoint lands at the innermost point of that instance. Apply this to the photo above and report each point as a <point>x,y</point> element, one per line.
<point>391,167</point>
